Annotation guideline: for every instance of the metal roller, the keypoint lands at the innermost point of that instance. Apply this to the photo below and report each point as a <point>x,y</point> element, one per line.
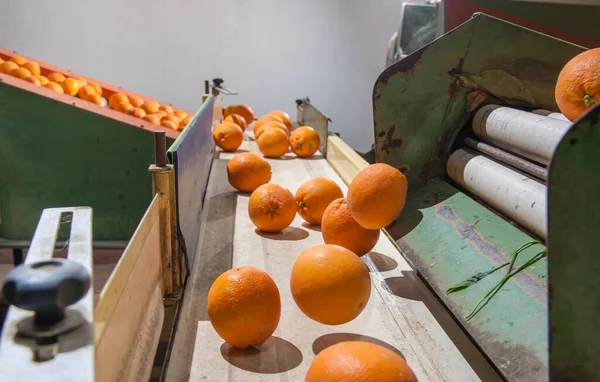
<point>527,134</point>
<point>515,195</point>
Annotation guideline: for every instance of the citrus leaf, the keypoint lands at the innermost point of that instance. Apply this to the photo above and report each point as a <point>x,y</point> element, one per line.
<point>473,279</point>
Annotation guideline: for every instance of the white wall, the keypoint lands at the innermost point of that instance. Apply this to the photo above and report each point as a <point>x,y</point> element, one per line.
<point>271,51</point>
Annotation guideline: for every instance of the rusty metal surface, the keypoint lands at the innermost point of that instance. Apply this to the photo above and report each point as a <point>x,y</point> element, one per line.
<point>574,257</point>
<point>308,115</point>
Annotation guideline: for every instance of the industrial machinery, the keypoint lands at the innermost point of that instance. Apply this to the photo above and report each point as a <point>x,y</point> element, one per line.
<point>489,172</point>
<point>445,116</point>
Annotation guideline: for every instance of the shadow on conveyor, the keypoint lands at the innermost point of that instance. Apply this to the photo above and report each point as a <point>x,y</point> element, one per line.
<point>288,234</point>
<point>383,263</point>
<point>276,355</point>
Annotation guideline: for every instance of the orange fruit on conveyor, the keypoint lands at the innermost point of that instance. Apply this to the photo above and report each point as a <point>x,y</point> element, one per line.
<point>273,143</point>
<point>578,84</point>
<point>20,73</point>
<point>20,61</point>
<point>376,195</point>
<point>285,118</point>
<point>117,98</point>
<point>330,284</point>
<point>56,77</point>
<point>244,306</point>
<point>136,101</point>
<point>96,87</point>
<point>271,208</point>
<point>33,80</point>
<point>137,112</point>
<point>264,119</point>
<point>359,361</point>
<point>43,80</point>
<point>247,171</point>
<point>228,136</point>
<point>268,125</point>
<point>237,119</point>
<point>7,66</point>
<point>33,68</point>
<point>339,227</point>
<point>313,197</point>
<point>95,98</point>
<point>167,109</point>
<point>85,92</point>
<point>243,110</point>
<point>304,141</point>
<point>150,107</point>
<point>169,124</point>
<point>152,118</point>
<point>54,86</point>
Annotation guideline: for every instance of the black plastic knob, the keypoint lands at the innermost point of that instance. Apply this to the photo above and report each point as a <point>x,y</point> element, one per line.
<point>47,288</point>
<point>217,82</point>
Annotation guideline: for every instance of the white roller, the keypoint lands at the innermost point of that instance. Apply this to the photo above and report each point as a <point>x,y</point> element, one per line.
<point>551,114</point>
<point>515,195</point>
<point>530,135</point>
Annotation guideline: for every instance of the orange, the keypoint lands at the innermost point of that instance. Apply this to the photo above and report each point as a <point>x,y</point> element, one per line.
<point>115,99</point>
<point>43,80</point>
<point>173,118</point>
<point>268,125</point>
<point>247,171</point>
<point>150,107</point>
<point>167,109</point>
<point>1,60</point>
<point>271,208</point>
<point>33,68</point>
<point>7,66</point>
<point>238,120</point>
<point>578,85</point>
<point>304,141</point>
<point>97,88</point>
<point>54,86</point>
<point>85,92</point>
<point>264,119</point>
<point>330,284</point>
<point>169,124</point>
<point>314,196</point>
<point>244,306</point>
<point>376,195</point>
<point>181,114</point>
<point>124,107</point>
<point>285,118</point>
<point>273,143</point>
<point>186,121</point>
<point>243,110</point>
<point>95,98</point>
<point>19,73</point>
<point>137,112</point>
<point>136,101</point>
<point>152,118</point>
<point>33,80</point>
<point>82,81</point>
<point>56,77</point>
<point>339,227</point>
<point>358,361</point>
<point>228,136</point>
<point>20,61</point>
<point>71,86</point>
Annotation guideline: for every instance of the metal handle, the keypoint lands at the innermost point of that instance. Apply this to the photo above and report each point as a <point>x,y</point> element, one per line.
<point>47,288</point>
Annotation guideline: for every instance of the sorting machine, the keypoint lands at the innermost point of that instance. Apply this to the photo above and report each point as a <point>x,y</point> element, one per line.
<point>469,120</point>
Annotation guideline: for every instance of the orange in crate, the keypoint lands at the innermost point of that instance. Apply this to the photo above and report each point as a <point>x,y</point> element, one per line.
<point>43,80</point>
<point>150,107</point>
<point>116,99</point>
<point>54,86</point>
<point>71,86</point>
<point>181,114</point>
<point>124,107</point>
<point>96,87</point>
<point>33,68</point>
<point>7,66</point>
<point>20,73</point>
<point>95,98</point>
<point>82,82</point>
<point>167,109</point>
<point>136,101</point>
<point>85,92</point>
<point>19,60</point>
<point>137,112</point>
<point>152,118</point>
<point>56,77</point>
<point>169,124</point>
<point>33,80</point>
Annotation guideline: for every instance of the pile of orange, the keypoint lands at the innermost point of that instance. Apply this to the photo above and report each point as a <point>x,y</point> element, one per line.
<point>329,283</point>
<point>149,110</point>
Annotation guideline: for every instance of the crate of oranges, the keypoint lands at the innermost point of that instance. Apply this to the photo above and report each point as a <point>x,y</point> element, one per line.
<point>95,96</point>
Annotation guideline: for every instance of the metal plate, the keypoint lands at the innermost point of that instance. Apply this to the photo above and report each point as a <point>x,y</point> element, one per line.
<point>192,154</point>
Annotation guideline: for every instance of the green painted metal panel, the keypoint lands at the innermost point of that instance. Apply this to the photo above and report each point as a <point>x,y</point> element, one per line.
<point>420,105</point>
<point>53,154</point>
<point>574,256</point>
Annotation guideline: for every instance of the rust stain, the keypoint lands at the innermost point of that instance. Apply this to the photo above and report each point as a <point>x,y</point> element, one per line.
<point>390,141</point>
<point>524,279</point>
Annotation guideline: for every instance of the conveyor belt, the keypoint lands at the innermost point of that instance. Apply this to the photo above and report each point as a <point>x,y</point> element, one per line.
<point>401,312</point>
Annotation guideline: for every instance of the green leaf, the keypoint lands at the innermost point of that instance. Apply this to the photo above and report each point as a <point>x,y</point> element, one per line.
<point>473,279</point>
